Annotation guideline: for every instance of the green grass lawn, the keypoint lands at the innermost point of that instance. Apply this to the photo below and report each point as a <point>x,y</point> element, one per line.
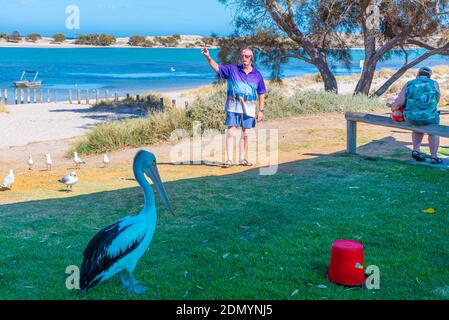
<point>247,236</point>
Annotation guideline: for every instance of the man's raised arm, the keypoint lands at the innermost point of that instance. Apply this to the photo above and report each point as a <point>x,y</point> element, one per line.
<point>211,61</point>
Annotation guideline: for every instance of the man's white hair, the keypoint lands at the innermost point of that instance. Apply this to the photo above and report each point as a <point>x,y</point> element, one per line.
<point>248,52</point>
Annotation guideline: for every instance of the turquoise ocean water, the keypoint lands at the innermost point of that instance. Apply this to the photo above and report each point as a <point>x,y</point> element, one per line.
<point>129,70</point>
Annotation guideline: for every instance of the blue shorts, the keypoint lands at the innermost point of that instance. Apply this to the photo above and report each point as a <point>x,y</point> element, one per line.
<point>239,120</point>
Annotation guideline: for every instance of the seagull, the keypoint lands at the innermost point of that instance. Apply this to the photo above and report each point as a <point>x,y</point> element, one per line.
<point>9,180</point>
<point>48,161</point>
<point>106,160</point>
<point>77,160</point>
<point>69,180</point>
<point>120,246</point>
<point>172,69</point>
<point>30,162</point>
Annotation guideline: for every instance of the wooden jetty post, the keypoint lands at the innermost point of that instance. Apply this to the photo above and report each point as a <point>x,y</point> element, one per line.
<point>97,96</point>
<point>22,96</point>
<point>48,95</point>
<point>161,104</point>
<point>40,95</point>
<point>56,96</point>
<point>87,96</point>
<point>5,95</point>
<point>78,96</point>
<point>34,95</point>
<point>15,96</point>
<point>116,97</point>
<point>28,95</point>
<point>70,96</point>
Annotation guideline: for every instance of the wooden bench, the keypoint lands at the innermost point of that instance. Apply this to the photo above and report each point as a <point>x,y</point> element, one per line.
<point>353,117</point>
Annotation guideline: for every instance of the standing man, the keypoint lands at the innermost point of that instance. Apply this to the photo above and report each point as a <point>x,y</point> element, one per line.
<point>245,84</point>
<point>419,98</point>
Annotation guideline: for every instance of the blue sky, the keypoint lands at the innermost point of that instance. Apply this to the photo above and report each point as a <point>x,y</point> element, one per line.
<point>118,17</point>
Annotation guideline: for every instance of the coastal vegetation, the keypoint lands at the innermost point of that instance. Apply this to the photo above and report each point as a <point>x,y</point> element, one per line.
<point>33,37</point>
<point>59,37</point>
<point>170,41</point>
<point>3,108</point>
<point>14,37</point>
<point>280,32</point>
<point>140,41</point>
<point>207,108</point>
<point>96,39</point>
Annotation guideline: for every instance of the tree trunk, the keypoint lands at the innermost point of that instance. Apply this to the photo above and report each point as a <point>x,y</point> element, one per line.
<point>366,79</point>
<point>405,68</point>
<point>329,79</point>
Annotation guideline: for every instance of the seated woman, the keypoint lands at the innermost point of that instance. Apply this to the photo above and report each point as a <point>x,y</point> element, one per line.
<point>418,101</point>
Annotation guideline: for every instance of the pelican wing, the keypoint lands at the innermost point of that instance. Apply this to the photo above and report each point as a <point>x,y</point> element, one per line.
<point>107,247</point>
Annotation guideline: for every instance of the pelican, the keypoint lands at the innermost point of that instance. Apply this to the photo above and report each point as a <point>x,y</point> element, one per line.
<point>69,180</point>
<point>9,180</point>
<point>48,161</point>
<point>120,246</point>
<point>106,160</point>
<point>77,160</point>
<point>30,162</point>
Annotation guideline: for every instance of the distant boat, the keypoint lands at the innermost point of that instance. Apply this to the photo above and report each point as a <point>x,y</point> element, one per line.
<point>25,83</point>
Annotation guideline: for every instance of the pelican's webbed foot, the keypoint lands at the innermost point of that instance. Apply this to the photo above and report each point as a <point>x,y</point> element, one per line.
<point>133,285</point>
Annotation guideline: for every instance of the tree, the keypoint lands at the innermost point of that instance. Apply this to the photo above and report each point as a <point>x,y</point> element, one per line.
<point>316,30</point>
<point>400,25</point>
<point>33,37</point>
<point>59,37</point>
<point>14,36</point>
<point>170,41</point>
<point>140,41</point>
<point>96,39</point>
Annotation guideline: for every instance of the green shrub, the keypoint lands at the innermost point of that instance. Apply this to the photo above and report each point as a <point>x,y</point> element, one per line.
<point>14,37</point>
<point>96,39</point>
<point>171,41</point>
<point>33,37</point>
<point>140,41</point>
<point>59,37</point>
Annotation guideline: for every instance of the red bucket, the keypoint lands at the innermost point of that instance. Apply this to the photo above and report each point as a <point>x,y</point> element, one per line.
<point>346,266</point>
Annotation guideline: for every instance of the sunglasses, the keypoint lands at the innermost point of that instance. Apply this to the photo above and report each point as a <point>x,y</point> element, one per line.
<point>246,56</point>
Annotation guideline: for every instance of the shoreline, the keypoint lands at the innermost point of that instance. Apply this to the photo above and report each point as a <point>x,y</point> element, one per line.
<point>68,45</point>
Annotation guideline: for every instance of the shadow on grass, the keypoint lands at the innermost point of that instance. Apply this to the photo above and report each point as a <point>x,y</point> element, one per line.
<point>246,236</point>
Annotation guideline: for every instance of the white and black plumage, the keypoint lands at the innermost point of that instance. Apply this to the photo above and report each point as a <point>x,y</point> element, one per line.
<point>48,161</point>
<point>77,160</point>
<point>30,162</point>
<point>119,247</point>
<point>8,182</point>
<point>69,180</point>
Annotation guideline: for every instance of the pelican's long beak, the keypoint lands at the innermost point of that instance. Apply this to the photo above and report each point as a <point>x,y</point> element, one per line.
<point>153,173</point>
